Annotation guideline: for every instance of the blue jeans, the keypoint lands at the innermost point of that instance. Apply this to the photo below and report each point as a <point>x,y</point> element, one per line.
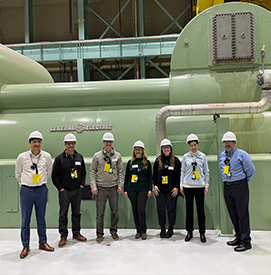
<point>30,196</point>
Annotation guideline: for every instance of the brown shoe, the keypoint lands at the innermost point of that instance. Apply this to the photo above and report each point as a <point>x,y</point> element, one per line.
<point>46,247</point>
<point>115,236</point>
<point>62,242</point>
<point>99,238</point>
<point>24,252</point>
<point>137,235</point>
<point>144,236</point>
<point>80,238</point>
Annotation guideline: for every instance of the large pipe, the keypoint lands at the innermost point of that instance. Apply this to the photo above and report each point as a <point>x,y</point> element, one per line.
<point>85,94</point>
<point>211,109</point>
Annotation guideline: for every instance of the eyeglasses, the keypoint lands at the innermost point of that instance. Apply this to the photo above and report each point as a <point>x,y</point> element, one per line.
<point>108,141</point>
<point>165,147</point>
<point>193,145</point>
<point>228,142</point>
<point>138,150</point>
<point>70,143</point>
<point>36,142</point>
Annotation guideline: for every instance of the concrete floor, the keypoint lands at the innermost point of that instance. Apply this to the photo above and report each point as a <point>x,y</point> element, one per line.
<point>131,256</point>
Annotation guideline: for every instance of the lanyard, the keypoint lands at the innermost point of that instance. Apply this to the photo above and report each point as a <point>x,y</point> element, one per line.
<point>35,165</point>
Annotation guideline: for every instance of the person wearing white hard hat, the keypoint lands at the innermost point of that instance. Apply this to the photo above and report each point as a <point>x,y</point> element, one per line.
<point>194,184</point>
<point>166,182</point>
<point>138,186</point>
<point>69,176</point>
<point>33,169</point>
<point>237,171</point>
<point>106,182</point>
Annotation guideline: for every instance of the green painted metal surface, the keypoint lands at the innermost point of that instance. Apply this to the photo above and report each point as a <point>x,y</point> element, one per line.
<point>129,109</point>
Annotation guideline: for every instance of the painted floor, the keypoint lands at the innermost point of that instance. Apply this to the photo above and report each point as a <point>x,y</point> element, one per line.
<point>130,256</point>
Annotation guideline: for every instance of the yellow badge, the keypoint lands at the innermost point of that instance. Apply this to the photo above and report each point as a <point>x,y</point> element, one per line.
<point>226,169</point>
<point>106,167</point>
<point>74,174</point>
<point>36,178</point>
<point>134,178</point>
<point>164,180</point>
<point>196,173</point>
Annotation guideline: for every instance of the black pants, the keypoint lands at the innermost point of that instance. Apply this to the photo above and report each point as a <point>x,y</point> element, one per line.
<point>65,199</point>
<point>165,201</point>
<point>189,194</point>
<point>237,200</point>
<point>138,201</point>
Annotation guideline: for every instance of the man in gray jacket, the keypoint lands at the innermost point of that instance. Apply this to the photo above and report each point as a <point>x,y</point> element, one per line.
<point>106,181</point>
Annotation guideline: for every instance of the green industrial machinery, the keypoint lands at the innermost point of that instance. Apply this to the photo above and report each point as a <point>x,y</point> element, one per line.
<point>219,81</point>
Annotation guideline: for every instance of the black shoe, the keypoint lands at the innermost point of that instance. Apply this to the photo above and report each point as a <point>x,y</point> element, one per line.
<point>163,232</point>
<point>189,236</point>
<point>202,238</point>
<point>242,247</point>
<point>169,232</point>
<point>235,242</point>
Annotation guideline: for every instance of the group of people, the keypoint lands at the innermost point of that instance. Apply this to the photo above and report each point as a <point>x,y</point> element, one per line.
<point>169,179</point>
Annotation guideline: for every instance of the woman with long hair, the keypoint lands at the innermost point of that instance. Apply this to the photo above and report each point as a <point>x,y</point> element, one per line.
<point>138,186</point>
<point>166,181</point>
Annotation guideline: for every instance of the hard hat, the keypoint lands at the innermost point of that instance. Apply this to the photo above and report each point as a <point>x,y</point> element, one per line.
<point>69,137</point>
<point>35,134</point>
<point>229,136</point>
<point>165,142</point>
<point>192,137</point>
<point>139,143</point>
<point>108,136</point>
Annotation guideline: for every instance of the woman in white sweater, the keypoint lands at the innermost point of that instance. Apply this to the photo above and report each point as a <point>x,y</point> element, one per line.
<point>194,184</point>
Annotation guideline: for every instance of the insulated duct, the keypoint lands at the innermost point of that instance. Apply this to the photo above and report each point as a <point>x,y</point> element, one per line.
<point>212,109</point>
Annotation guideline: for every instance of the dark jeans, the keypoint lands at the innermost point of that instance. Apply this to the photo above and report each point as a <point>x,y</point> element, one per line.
<point>111,194</point>
<point>165,201</point>
<point>189,194</point>
<point>65,199</point>
<point>30,196</point>
<point>138,201</point>
<point>237,200</point>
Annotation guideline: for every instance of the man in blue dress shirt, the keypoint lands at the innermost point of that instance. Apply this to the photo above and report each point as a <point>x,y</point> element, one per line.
<point>237,171</point>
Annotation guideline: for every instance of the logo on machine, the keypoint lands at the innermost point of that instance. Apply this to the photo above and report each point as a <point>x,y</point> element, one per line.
<point>80,128</point>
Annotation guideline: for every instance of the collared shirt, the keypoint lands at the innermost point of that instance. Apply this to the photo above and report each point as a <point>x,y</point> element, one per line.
<point>187,170</point>
<point>61,175</point>
<point>241,165</point>
<point>24,173</point>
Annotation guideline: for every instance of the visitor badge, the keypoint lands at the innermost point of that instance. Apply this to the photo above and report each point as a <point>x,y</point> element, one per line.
<point>36,178</point>
<point>135,166</point>
<point>164,180</point>
<point>226,169</point>
<point>170,168</point>
<point>134,178</point>
<point>196,173</point>
<point>77,163</point>
<point>74,174</point>
<point>106,167</point>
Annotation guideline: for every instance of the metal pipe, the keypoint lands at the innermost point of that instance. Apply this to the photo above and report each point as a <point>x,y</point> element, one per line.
<point>212,109</point>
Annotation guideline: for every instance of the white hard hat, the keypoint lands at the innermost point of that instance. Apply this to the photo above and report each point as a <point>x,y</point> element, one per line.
<point>229,136</point>
<point>69,137</point>
<point>108,136</point>
<point>165,142</point>
<point>139,143</point>
<point>192,137</point>
<point>35,134</point>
